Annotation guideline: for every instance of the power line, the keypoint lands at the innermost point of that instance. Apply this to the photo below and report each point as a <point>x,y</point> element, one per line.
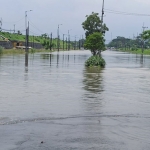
<point>15,21</point>
<point>32,24</point>
<point>125,13</point>
<point>7,30</point>
<point>34,33</point>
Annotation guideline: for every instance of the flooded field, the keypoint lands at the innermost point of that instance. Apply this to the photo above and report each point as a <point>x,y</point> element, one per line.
<point>56,103</point>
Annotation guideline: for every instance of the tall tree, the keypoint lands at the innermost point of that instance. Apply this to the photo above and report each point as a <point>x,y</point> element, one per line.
<point>93,24</point>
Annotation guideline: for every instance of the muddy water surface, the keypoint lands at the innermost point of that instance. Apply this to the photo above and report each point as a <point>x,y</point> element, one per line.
<point>59,101</point>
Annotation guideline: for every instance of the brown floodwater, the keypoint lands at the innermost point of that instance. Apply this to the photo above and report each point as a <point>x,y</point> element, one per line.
<point>53,102</point>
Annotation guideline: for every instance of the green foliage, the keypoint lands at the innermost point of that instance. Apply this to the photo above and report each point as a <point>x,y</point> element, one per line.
<point>146,34</point>
<point>32,50</point>
<point>93,24</point>
<point>95,61</point>
<point>95,42</point>
<point>52,45</point>
<point>1,50</point>
<point>134,48</point>
<point>44,40</point>
<point>47,45</point>
<point>126,43</point>
<point>44,35</point>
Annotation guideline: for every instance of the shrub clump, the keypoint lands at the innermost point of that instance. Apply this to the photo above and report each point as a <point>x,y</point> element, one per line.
<point>95,61</point>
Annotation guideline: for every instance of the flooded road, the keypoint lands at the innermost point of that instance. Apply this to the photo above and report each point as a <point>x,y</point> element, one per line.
<point>56,100</point>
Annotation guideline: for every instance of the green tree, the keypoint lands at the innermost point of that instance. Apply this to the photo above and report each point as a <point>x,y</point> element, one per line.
<point>93,24</point>
<point>95,42</point>
<point>146,35</point>
<point>44,35</point>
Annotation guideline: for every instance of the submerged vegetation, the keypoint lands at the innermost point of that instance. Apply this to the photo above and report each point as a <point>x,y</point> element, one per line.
<point>95,31</point>
<point>95,61</point>
<point>136,51</point>
<point>19,51</point>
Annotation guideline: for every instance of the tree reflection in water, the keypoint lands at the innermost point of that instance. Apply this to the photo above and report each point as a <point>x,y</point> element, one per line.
<point>93,80</point>
<point>47,57</point>
<point>93,85</point>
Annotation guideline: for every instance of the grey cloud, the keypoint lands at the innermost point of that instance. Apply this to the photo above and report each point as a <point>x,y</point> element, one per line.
<point>47,14</point>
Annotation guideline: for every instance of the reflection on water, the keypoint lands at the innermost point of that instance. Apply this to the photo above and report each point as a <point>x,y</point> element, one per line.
<point>50,60</point>
<point>57,60</point>
<point>26,62</point>
<point>93,80</point>
<point>59,57</point>
<point>93,86</point>
<point>141,60</point>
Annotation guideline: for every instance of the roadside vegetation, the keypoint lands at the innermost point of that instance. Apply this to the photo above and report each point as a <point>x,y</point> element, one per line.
<point>137,51</point>
<point>138,45</point>
<point>19,51</point>
<point>43,39</point>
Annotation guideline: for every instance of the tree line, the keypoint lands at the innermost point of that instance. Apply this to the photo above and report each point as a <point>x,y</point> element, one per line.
<point>141,41</point>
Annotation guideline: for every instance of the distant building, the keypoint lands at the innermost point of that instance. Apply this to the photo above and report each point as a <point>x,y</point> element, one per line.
<point>17,43</point>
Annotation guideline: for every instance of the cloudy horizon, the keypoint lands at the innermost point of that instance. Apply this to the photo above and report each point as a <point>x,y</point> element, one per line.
<point>47,14</point>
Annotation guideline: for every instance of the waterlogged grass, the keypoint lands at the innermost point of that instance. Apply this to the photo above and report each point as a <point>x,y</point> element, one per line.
<point>22,51</point>
<point>138,51</point>
<point>13,51</point>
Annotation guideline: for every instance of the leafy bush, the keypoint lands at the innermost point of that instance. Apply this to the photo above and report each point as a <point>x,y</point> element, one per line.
<point>134,48</point>
<point>95,61</point>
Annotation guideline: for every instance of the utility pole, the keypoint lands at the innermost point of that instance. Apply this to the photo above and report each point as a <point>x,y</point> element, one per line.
<point>79,43</point>
<point>51,42</point>
<point>58,42</point>
<point>1,24</point>
<point>27,48</point>
<point>14,28</point>
<point>68,41</point>
<point>102,15</point>
<point>63,42</point>
<point>143,39</point>
<point>58,38</point>
<point>33,41</point>
<point>111,36</point>
<point>66,44</point>
<point>27,31</point>
<point>75,43</point>
<point>82,40</point>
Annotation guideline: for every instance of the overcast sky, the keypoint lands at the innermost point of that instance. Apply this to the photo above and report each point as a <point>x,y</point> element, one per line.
<point>47,14</point>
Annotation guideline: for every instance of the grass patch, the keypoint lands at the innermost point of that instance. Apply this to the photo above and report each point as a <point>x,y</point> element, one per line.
<point>138,51</point>
<point>22,51</point>
<point>95,61</point>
